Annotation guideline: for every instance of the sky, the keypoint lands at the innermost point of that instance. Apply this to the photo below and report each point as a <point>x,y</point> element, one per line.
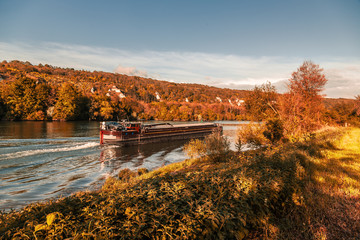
<point>223,43</point>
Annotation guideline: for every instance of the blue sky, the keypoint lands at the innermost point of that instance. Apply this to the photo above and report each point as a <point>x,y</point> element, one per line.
<point>234,44</point>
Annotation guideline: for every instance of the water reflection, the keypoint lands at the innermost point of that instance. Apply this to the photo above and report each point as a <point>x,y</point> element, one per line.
<point>148,156</point>
<point>43,130</point>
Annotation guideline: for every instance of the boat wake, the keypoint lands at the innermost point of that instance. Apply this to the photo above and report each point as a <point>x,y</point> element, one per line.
<point>51,150</point>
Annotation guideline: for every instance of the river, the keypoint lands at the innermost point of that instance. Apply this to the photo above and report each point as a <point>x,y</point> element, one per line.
<point>44,160</point>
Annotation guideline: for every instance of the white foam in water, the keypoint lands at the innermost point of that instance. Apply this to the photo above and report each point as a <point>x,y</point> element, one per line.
<point>51,150</point>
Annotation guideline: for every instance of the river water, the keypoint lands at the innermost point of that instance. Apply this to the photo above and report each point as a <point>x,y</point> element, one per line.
<point>43,160</point>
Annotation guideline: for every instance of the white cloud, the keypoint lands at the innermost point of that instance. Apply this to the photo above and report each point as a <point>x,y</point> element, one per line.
<point>131,71</point>
<point>230,71</point>
<point>343,79</point>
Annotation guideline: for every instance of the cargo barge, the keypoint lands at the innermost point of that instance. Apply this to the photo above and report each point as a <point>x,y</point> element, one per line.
<point>131,133</point>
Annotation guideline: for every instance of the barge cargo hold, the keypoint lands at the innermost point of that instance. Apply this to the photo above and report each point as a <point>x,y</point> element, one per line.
<point>131,133</point>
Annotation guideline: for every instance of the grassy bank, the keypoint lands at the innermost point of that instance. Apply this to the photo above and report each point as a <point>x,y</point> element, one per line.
<point>303,190</point>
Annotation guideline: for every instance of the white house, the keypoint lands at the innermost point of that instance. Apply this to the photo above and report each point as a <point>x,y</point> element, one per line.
<point>118,91</point>
<point>239,102</point>
<point>157,96</point>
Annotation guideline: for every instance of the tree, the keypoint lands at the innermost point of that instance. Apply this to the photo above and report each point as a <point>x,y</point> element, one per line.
<point>27,99</point>
<point>343,113</point>
<point>301,108</point>
<point>71,105</point>
<point>260,104</point>
<point>102,108</point>
<point>2,108</point>
<point>357,105</point>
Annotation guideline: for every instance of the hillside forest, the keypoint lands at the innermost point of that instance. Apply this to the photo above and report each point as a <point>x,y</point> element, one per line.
<point>44,92</point>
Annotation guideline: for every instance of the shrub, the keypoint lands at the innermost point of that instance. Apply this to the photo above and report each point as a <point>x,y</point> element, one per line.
<point>195,148</point>
<point>142,171</point>
<point>274,130</point>
<point>217,146</point>
<point>126,174</point>
<point>251,135</point>
<point>214,146</point>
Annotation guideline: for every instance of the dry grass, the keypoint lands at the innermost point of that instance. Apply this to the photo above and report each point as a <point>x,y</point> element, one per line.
<point>334,192</point>
<point>339,171</point>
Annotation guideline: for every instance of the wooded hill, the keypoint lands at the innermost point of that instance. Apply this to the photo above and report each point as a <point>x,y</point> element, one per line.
<point>41,92</point>
<point>44,92</point>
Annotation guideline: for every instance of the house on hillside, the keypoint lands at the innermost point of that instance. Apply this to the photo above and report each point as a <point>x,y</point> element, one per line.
<point>116,91</point>
<point>239,102</point>
<point>40,80</point>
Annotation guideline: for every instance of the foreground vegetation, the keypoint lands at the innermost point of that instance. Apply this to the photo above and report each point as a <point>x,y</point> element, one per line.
<point>305,189</point>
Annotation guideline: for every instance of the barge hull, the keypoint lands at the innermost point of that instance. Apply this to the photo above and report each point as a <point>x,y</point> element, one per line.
<point>158,134</point>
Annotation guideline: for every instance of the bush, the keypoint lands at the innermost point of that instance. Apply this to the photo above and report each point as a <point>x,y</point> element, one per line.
<point>126,174</point>
<point>142,171</point>
<point>257,135</point>
<point>251,135</point>
<point>214,146</point>
<point>274,130</point>
<point>195,148</point>
<point>217,146</point>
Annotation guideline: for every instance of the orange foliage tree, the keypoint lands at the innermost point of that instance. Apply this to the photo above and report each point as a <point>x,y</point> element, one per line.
<point>27,99</point>
<point>357,105</point>
<point>71,105</point>
<point>301,108</point>
<point>102,108</point>
<point>261,104</point>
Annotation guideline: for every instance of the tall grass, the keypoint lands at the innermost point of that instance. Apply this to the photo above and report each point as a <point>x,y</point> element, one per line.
<point>334,189</point>
<point>303,190</point>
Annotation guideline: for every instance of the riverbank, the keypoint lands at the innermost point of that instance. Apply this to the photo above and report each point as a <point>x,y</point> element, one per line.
<point>303,190</point>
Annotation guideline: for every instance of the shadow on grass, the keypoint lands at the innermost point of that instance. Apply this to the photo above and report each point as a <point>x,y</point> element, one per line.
<point>330,190</point>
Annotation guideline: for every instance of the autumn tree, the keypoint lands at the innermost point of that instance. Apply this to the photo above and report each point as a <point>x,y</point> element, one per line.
<point>2,107</point>
<point>42,92</point>
<point>261,104</point>
<point>102,108</point>
<point>357,105</point>
<point>343,113</point>
<point>301,107</point>
<point>27,99</point>
<point>71,104</point>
